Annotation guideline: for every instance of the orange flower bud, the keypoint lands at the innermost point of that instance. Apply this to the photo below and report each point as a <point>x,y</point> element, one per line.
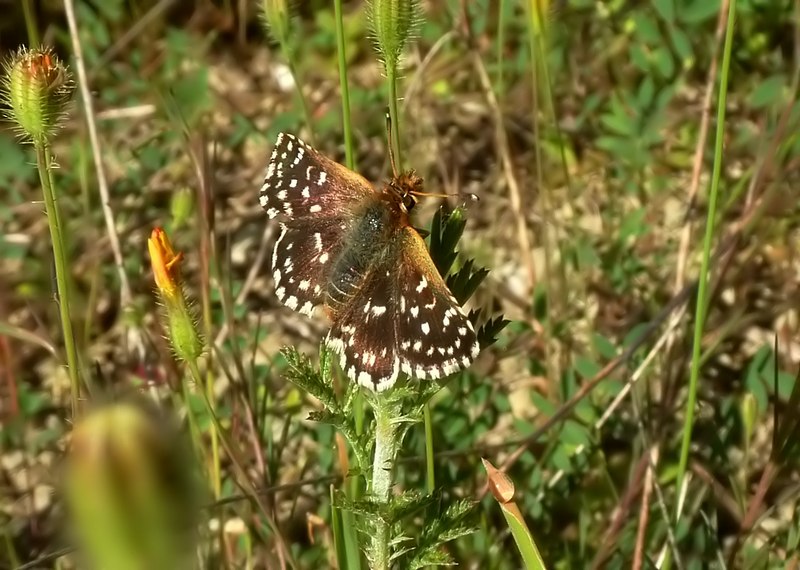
<point>179,316</point>
<point>165,263</point>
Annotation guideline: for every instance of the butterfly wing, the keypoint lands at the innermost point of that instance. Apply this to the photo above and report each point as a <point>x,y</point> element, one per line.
<point>302,184</point>
<point>300,261</point>
<point>434,336</point>
<point>316,197</point>
<point>402,318</point>
<point>363,333</point>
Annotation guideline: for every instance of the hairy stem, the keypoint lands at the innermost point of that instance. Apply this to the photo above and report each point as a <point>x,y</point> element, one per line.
<point>386,445</point>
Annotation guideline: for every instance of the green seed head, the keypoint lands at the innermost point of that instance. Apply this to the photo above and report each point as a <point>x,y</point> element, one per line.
<point>36,89</point>
<point>394,23</point>
<point>275,18</point>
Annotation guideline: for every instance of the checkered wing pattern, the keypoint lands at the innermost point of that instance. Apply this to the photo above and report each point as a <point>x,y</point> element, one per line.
<point>403,318</point>
<point>314,197</point>
<point>303,184</point>
<point>434,336</point>
<point>364,334</point>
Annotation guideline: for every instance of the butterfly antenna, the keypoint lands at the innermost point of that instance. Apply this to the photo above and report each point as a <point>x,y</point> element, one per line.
<point>468,196</point>
<point>389,143</point>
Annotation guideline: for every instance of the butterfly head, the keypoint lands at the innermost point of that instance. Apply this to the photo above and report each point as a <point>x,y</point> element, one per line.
<point>406,188</point>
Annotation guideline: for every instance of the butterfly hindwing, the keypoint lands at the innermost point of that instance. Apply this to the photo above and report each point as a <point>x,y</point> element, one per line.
<point>363,334</point>
<point>434,336</point>
<point>403,318</point>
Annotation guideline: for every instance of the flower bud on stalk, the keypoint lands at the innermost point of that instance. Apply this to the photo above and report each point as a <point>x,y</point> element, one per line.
<point>180,321</point>
<point>36,90</point>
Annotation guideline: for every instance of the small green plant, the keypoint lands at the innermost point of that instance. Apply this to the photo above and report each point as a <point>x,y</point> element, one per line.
<point>36,90</point>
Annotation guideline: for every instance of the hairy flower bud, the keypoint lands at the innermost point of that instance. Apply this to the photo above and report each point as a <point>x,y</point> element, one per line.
<point>180,320</point>
<point>36,89</point>
<point>275,17</point>
<point>393,23</point>
<point>130,488</point>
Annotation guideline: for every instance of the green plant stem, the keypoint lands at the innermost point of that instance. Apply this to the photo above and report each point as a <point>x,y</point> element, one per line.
<point>553,292</point>
<point>208,395</point>
<point>30,23</point>
<point>430,476</point>
<point>341,52</point>
<point>287,53</point>
<point>45,167</point>
<point>386,445</point>
<point>391,77</point>
<point>501,42</point>
<point>702,290</point>
<point>216,470</point>
<point>194,430</point>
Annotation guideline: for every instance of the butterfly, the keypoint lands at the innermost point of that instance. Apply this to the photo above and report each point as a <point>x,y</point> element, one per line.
<point>350,249</point>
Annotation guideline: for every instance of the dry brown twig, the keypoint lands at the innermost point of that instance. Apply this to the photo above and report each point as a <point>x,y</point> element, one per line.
<point>504,152</point>
<point>644,512</point>
<point>700,148</point>
<point>134,338</point>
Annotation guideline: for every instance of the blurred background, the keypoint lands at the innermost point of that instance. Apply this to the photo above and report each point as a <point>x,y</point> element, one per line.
<point>588,136</point>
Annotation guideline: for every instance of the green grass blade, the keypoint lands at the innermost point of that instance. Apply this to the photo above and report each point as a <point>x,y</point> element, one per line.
<point>702,291</point>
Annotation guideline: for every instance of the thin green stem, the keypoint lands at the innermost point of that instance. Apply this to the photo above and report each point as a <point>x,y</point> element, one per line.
<point>341,50</point>
<point>501,33</point>
<point>702,291</point>
<point>287,53</point>
<point>30,23</point>
<point>45,167</point>
<point>539,63</point>
<point>391,77</point>
<point>430,476</point>
<point>208,326</point>
<point>194,430</point>
<point>386,446</point>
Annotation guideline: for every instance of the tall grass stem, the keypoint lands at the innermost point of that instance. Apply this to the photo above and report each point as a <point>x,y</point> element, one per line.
<point>341,51</point>
<point>386,445</point>
<point>391,77</point>
<point>702,291</point>
<point>45,166</point>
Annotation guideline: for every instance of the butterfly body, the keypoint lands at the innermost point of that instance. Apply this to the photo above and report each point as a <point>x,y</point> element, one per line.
<point>352,250</point>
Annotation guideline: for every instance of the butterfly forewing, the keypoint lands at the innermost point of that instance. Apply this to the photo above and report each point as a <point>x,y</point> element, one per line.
<point>316,197</point>
<point>301,183</point>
